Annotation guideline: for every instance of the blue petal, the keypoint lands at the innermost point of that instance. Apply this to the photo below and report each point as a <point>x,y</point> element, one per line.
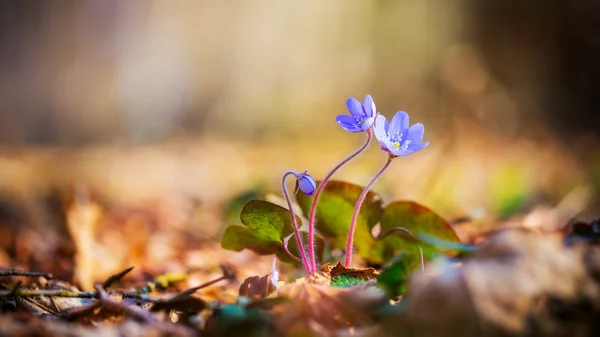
<point>415,133</point>
<point>355,108</point>
<point>400,152</point>
<point>417,147</point>
<point>369,106</point>
<point>380,130</point>
<point>348,123</point>
<point>367,123</point>
<point>307,185</point>
<point>398,125</point>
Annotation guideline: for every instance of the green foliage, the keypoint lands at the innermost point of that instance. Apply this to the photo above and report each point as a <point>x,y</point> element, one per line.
<point>336,206</point>
<point>265,226</point>
<point>509,189</point>
<point>334,213</point>
<point>345,281</point>
<point>238,237</point>
<point>394,275</point>
<point>415,218</point>
<point>269,222</point>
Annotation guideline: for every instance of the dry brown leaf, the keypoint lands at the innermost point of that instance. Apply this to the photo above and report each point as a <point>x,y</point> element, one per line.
<point>323,310</point>
<point>339,269</point>
<point>519,283</point>
<point>257,287</point>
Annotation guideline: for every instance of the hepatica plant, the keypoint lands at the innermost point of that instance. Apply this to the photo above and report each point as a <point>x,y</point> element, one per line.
<point>342,215</point>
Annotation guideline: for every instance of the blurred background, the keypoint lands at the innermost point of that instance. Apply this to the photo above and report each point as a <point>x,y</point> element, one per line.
<point>144,119</point>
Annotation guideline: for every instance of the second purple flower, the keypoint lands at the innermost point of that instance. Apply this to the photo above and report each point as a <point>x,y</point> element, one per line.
<point>361,116</point>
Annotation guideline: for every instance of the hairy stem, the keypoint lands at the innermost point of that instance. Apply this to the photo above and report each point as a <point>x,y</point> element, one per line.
<point>294,223</point>
<point>359,203</point>
<point>320,188</point>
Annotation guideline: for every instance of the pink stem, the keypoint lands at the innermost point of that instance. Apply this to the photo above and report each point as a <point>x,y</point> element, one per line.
<point>320,188</point>
<point>359,203</point>
<point>294,223</point>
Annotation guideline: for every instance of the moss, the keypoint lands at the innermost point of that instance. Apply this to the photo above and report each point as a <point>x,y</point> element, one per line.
<point>345,281</point>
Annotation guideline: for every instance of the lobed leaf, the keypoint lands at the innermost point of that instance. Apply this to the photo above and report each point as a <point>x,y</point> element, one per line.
<point>416,219</point>
<point>269,222</point>
<point>238,237</point>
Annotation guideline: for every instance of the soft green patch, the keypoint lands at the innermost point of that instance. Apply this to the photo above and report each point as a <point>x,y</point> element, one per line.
<point>232,210</point>
<point>509,189</point>
<point>345,281</point>
<point>394,276</point>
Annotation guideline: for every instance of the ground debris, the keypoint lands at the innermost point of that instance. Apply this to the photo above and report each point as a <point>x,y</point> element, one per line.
<point>520,283</point>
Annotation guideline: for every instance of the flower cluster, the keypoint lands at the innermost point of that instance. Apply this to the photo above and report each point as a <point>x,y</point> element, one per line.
<point>396,138</point>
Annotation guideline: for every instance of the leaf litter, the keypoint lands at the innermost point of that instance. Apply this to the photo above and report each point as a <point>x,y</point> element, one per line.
<point>97,269</point>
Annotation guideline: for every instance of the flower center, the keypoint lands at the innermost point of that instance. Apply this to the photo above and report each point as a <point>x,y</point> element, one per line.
<point>401,146</point>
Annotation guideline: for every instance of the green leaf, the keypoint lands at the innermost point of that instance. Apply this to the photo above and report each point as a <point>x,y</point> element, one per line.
<point>394,276</point>
<point>336,206</point>
<point>265,226</point>
<point>415,218</point>
<point>293,247</point>
<point>238,237</point>
<point>268,222</point>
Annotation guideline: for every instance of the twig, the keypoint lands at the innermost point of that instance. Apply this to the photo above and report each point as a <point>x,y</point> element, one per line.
<point>142,316</point>
<point>81,311</point>
<point>22,292</point>
<point>116,278</point>
<point>17,272</point>
<point>16,287</point>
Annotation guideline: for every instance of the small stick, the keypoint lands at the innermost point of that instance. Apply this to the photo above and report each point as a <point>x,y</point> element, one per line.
<point>17,272</point>
<point>22,292</point>
<point>139,315</point>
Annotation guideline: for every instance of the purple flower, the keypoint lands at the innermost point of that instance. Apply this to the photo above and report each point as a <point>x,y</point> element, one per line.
<point>362,116</point>
<point>304,183</point>
<point>396,137</point>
